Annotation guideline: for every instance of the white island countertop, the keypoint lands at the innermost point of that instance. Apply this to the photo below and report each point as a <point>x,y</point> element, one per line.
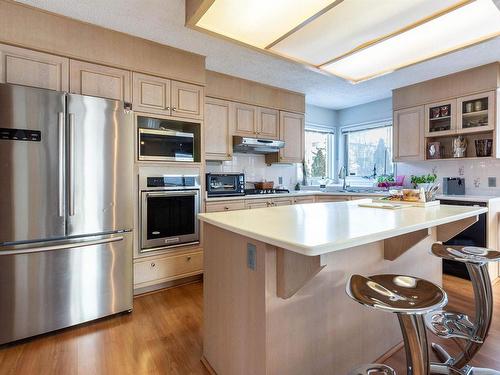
<point>320,228</point>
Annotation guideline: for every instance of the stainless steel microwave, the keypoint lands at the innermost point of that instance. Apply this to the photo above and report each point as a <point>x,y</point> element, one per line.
<point>165,145</point>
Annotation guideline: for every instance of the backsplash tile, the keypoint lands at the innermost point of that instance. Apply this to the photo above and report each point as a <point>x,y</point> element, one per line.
<point>475,172</point>
<point>256,169</point>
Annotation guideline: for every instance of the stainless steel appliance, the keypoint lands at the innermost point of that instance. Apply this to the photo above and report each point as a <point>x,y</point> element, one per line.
<point>169,208</point>
<point>475,235</point>
<point>247,145</point>
<point>225,184</point>
<point>66,210</point>
<point>454,186</point>
<point>165,145</point>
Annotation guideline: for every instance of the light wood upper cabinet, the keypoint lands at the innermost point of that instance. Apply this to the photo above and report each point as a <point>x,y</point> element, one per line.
<point>268,123</point>
<point>292,133</point>
<point>21,66</point>
<point>476,113</point>
<point>99,80</point>
<point>166,97</point>
<point>218,142</point>
<point>408,134</point>
<point>245,120</point>
<point>151,94</point>
<point>441,118</point>
<point>186,100</point>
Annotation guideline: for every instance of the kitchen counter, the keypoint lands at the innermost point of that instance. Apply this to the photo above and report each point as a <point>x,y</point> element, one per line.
<point>320,228</point>
<point>300,193</point>
<point>274,282</point>
<point>469,198</point>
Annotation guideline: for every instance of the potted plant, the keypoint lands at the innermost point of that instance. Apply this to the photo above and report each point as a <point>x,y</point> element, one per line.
<point>424,181</point>
<point>387,180</point>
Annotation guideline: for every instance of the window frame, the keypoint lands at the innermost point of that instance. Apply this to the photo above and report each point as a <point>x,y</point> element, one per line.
<point>330,151</point>
<point>344,152</point>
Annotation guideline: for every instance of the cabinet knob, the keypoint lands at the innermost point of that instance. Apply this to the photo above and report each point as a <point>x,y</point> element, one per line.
<point>153,264</point>
<point>168,108</point>
<point>188,258</point>
<point>226,208</point>
<point>174,109</point>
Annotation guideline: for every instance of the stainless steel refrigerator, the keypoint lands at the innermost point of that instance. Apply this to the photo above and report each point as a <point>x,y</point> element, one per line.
<point>66,210</point>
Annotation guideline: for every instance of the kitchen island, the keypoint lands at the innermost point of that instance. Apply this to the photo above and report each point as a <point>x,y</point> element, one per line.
<point>274,282</point>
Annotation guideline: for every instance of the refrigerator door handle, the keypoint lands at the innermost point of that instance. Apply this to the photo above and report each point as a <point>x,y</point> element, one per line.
<point>62,247</point>
<point>61,142</point>
<point>71,169</point>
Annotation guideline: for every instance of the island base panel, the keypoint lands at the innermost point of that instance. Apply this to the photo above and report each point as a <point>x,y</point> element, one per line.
<point>249,329</point>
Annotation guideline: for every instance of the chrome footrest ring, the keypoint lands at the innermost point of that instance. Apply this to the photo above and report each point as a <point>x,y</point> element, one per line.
<point>451,325</point>
<point>373,369</point>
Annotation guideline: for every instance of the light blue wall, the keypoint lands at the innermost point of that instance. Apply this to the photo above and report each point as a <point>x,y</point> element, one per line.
<point>365,113</point>
<point>321,116</point>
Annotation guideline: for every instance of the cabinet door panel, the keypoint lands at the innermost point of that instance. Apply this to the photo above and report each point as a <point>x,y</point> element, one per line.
<point>408,134</point>
<point>151,94</point>
<point>292,132</point>
<point>218,145</point>
<point>268,124</point>
<point>187,100</point>
<point>99,80</point>
<point>245,120</point>
<point>20,66</point>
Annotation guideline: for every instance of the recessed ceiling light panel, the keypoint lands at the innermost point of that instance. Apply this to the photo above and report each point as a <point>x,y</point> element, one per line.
<point>258,22</point>
<point>465,26</point>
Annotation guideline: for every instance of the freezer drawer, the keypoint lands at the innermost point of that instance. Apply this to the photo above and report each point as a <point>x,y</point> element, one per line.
<point>53,289</point>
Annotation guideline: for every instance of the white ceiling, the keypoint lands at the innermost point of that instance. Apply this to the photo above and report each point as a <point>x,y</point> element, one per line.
<point>163,21</point>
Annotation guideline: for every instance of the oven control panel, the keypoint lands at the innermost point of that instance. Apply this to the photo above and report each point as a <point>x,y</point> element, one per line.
<point>172,181</point>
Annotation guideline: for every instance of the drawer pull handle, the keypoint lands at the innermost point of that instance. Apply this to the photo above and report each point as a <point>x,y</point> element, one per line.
<point>226,208</point>
<point>188,259</point>
<point>153,264</point>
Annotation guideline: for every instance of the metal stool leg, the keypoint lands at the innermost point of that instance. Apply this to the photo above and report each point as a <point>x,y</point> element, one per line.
<point>483,299</point>
<point>415,342</point>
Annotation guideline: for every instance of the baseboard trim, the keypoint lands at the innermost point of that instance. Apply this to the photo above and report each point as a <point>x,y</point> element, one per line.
<point>384,357</point>
<point>207,365</point>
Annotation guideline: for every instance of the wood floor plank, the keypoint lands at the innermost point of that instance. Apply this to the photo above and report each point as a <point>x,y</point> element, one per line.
<point>164,336</point>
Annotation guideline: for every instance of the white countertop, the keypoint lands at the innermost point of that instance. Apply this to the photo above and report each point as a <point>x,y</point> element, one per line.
<point>468,198</point>
<point>299,193</point>
<point>320,228</point>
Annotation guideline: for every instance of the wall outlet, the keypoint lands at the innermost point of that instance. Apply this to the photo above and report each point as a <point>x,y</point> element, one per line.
<point>251,256</point>
<point>280,180</point>
<point>492,182</point>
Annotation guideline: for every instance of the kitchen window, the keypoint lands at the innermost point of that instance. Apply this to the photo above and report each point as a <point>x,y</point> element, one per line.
<point>319,155</point>
<point>367,153</point>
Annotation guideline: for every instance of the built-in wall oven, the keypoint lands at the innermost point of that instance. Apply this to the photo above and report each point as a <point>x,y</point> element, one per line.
<point>169,206</point>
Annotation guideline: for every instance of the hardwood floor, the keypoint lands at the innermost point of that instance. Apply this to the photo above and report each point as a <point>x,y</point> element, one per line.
<point>164,336</point>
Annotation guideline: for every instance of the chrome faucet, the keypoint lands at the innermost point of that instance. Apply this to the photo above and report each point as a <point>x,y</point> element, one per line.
<point>343,175</point>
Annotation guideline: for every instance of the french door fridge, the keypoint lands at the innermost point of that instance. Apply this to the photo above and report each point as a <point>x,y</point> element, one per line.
<point>66,214</point>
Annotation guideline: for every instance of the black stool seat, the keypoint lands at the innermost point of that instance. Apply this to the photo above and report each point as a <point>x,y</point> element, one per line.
<point>465,254</point>
<point>373,369</point>
<point>396,293</point>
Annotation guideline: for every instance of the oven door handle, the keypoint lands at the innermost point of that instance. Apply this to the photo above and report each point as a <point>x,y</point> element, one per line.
<point>172,193</point>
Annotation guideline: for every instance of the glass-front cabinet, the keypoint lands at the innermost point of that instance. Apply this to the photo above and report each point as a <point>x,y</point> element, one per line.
<point>476,113</point>
<point>440,118</point>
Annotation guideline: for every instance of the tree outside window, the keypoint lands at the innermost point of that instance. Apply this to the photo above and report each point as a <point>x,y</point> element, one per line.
<point>318,155</point>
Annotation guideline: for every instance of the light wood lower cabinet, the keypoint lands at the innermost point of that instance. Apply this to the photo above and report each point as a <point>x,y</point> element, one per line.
<point>218,140</point>
<point>99,80</point>
<point>258,203</point>
<point>20,66</point>
<point>220,206</point>
<point>303,200</point>
<point>156,270</point>
<point>331,198</point>
<point>283,201</point>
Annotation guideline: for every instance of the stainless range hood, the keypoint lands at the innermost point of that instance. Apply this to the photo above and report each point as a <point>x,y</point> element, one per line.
<point>248,145</point>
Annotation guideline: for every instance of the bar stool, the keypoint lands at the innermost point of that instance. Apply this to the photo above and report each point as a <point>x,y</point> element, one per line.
<point>408,297</point>
<point>457,325</point>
